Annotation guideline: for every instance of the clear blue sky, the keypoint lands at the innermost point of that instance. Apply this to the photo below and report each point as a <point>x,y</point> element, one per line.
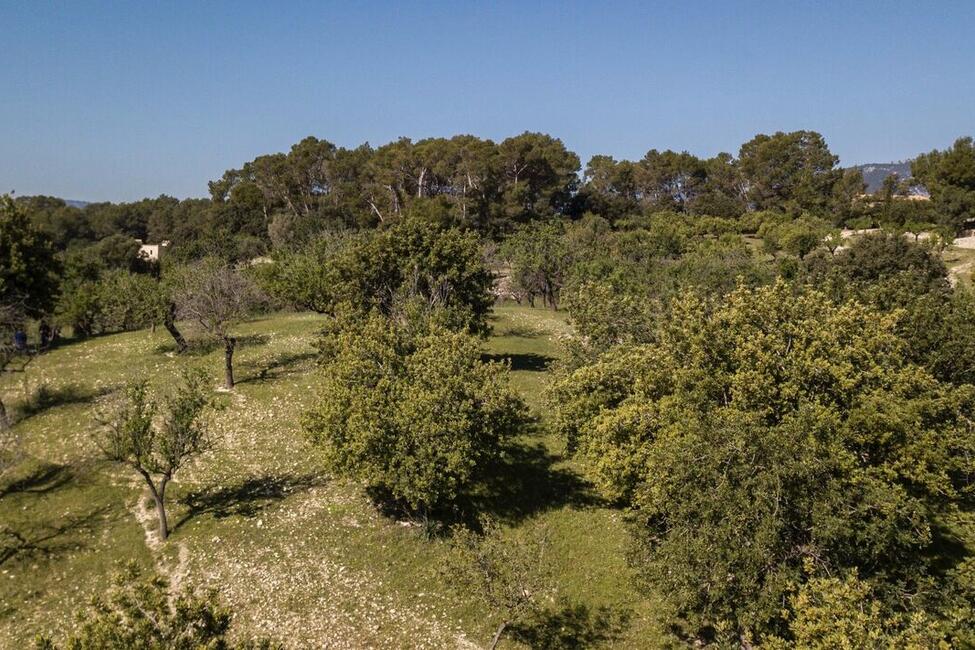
<point>121,100</point>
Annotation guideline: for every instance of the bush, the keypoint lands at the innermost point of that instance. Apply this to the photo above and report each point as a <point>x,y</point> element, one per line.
<point>413,415</point>
<point>776,429</point>
<point>413,262</point>
<point>137,612</point>
<point>117,301</point>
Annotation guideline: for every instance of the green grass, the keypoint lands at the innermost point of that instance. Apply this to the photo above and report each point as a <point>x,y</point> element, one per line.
<point>298,555</point>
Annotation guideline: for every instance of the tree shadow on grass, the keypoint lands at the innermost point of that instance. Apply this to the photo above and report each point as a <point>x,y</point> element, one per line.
<point>277,367</point>
<point>45,478</point>
<point>48,540</point>
<point>201,347</point>
<point>245,499</point>
<point>45,398</point>
<point>521,361</point>
<point>573,625</point>
<point>525,481</point>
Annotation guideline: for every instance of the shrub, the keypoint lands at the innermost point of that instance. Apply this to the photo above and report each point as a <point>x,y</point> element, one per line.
<point>414,416</point>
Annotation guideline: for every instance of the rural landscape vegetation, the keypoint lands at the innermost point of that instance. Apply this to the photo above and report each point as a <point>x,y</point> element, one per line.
<point>461,393</point>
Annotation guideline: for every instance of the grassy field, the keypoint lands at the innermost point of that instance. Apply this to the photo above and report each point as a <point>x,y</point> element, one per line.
<point>300,556</point>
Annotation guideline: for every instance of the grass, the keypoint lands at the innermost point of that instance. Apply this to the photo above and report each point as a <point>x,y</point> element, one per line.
<point>299,556</point>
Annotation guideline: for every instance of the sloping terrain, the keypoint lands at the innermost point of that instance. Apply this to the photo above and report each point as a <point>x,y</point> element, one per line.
<point>299,556</point>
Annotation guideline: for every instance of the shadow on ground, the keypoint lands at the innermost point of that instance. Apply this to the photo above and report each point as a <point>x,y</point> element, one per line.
<point>245,499</point>
<point>42,479</point>
<point>521,361</point>
<point>573,625</point>
<point>280,366</point>
<point>28,540</point>
<point>526,481</point>
<point>204,346</point>
<point>45,398</point>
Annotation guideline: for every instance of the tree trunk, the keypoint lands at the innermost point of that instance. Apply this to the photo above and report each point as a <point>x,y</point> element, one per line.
<point>170,324</point>
<point>159,497</point>
<point>229,344</point>
<point>497,635</point>
<point>4,420</point>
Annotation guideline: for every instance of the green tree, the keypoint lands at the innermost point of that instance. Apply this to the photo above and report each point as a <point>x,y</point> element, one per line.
<point>538,177</point>
<point>412,264</point>
<point>539,259</point>
<point>833,612</point>
<point>416,416</point>
<point>505,568</point>
<point>950,178</point>
<point>29,270</point>
<point>776,428</point>
<point>157,439</point>
<point>138,612</point>
<point>789,171</point>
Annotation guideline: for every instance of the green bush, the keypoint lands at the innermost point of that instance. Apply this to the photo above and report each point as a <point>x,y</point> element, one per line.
<point>415,416</point>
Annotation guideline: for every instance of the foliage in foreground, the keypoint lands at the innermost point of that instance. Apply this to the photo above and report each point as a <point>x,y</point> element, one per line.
<point>138,612</point>
<point>413,415</point>
<point>507,569</point>
<point>778,430</point>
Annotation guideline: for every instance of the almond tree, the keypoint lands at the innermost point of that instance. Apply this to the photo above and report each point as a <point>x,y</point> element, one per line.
<point>157,439</point>
<point>215,296</point>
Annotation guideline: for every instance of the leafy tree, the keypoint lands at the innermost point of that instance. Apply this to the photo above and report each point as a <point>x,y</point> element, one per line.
<point>413,263</point>
<point>29,270</point>
<point>539,260</point>
<point>798,237</point>
<point>669,180</point>
<point>950,178</point>
<point>608,189</point>
<point>138,612</point>
<point>415,415</point>
<point>789,171</point>
<point>538,176</point>
<point>877,256</point>
<point>155,438</point>
<point>810,437</point>
<point>216,297</point>
<point>842,612</point>
<point>506,568</point>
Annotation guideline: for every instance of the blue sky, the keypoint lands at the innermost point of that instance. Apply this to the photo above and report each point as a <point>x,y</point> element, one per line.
<point>121,100</point>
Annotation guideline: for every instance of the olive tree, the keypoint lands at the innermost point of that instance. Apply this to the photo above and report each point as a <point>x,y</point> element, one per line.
<point>216,297</point>
<point>155,437</point>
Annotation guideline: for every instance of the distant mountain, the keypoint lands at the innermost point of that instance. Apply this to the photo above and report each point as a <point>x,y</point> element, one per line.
<point>77,204</point>
<point>875,173</point>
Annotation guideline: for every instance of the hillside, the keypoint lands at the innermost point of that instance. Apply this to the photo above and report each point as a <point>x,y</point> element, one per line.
<point>875,173</point>
<point>298,556</point>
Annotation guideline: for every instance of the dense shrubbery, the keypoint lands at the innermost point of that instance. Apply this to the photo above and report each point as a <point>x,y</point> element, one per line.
<point>779,429</point>
<point>414,264</point>
<point>412,413</point>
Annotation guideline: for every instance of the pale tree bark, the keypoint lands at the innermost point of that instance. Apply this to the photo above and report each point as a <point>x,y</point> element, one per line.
<point>497,635</point>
